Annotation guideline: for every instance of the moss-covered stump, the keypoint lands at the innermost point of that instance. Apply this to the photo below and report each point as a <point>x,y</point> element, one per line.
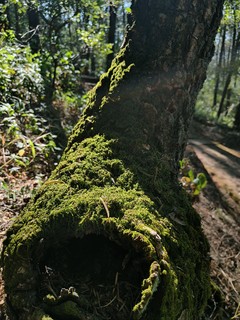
<point>94,244</point>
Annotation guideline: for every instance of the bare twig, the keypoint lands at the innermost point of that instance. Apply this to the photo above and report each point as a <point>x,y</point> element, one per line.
<point>109,303</point>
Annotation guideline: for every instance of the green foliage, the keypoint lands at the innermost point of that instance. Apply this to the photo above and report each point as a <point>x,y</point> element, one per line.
<point>20,78</point>
<point>71,105</point>
<point>128,10</point>
<point>26,144</point>
<point>77,36</point>
<point>231,12</point>
<point>72,42</point>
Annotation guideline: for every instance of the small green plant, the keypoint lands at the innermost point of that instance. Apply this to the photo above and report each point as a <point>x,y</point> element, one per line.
<point>191,182</point>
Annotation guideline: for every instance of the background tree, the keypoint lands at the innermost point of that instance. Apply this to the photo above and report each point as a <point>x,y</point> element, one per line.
<point>112,218</point>
<point>111,31</point>
<point>223,74</point>
<point>232,60</point>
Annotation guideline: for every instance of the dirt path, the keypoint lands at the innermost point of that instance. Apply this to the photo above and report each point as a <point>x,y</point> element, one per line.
<point>221,162</point>
<point>219,207</point>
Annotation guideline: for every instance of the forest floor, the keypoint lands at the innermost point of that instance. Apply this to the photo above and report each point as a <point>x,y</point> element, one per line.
<point>214,151</point>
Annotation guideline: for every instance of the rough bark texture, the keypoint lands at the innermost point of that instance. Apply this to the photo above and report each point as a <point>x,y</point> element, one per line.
<point>112,221</point>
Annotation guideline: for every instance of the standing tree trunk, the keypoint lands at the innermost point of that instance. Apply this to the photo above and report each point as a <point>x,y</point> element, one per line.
<point>16,22</point>
<point>34,23</point>
<point>111,32</point>
<point>219,66</point>
<point>237,118</point>
<point>232,66</point>
<point>111,234</point>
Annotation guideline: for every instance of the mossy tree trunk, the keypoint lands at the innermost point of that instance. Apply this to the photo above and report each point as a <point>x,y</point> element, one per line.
<point>111,235</point>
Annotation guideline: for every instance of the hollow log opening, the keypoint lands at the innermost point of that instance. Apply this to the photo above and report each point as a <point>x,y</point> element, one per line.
<point>93,276</point>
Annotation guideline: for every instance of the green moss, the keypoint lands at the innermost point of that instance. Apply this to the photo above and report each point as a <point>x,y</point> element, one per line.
<point>120,69</point>
<point>67,310</point>
<point>149,286</point>
<point>98,188</point>
<point>105,92</point>
<point>39,314</point>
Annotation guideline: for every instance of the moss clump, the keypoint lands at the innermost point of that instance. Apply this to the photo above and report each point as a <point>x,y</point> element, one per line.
<point>39,314</point>
<point>67,310</point>
<point>149,286</point>
<point>104,93</point>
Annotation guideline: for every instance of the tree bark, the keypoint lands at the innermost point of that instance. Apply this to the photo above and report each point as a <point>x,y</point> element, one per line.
<point>111,32</point>
<point>237,118</point>
<point>219,66</point>
<point>16,22</point>
<point>34,23</point>
<point>232,66</point>
<point>111,234</point>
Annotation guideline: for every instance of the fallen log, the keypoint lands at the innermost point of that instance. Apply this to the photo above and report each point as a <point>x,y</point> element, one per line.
<point>111,234</point>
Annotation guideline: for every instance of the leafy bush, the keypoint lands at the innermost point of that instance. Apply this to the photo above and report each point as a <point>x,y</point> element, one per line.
<point>26,144</point>
<point>20,78</point>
